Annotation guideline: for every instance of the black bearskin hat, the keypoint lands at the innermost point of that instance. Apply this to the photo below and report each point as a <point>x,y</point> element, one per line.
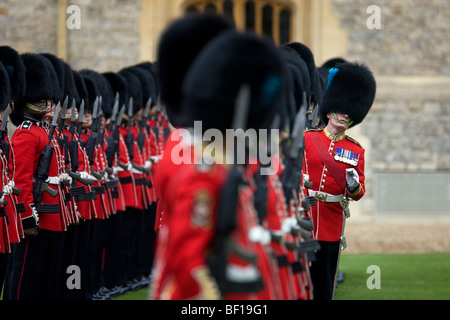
<point>91,86</point>
<point>119,85</point>
<point>70,89</point>
<point>217,74</point>
<point>350,90</point>
<point>323,70</point>
<point>134,90</point>
<point>5,88</point>
<point>179,45</point>
<point>56,69</point>
<point>16,71</point>
<point>307,56</point>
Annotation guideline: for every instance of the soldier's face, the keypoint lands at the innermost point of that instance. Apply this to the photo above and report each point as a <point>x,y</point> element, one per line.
<point>87,120</point>
<point>339,121</point>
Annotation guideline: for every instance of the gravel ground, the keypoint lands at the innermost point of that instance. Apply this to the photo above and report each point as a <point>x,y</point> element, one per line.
<point>363,237</point>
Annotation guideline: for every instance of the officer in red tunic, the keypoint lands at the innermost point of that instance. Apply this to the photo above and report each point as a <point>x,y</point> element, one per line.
<point>334,163</point>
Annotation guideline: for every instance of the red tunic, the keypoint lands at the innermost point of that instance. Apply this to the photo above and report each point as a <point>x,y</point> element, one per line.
<point>5,245</point>
<point>28,141</point>
<point>276,215</point>
<point>125,176</point>
<point>86,208</point>
<point>14,226</point>
<point>328,216</point>
<point>142,198</point>
<point>192,201</point>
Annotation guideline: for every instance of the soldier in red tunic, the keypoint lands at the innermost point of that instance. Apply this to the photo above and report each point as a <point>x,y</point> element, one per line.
<point>211,204</point>
<point>179,46</point>
<point>35,270</point>
<point>334,163</point>
<point>12,77</point>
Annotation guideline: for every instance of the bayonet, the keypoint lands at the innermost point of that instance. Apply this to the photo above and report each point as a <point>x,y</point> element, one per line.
<point>95,109</point>
<point>242,107</point>
<point>54,121</point>
<point>130,111</point>
<point>80,117</point>
<point>115,109</point>
<point>120,117</point>
<point>5,119</point>
<point>63,114</point>
<point>298,131</point>
<point>148,105</point>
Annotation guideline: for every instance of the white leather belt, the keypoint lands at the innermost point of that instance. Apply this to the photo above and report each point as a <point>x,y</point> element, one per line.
<point>325,197</point>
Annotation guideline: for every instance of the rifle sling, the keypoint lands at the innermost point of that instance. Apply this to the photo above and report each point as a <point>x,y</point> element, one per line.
<point>328,160</point>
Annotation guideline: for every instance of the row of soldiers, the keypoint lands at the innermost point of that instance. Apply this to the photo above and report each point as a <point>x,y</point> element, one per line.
<point>122,189</point>
<point>78,202</point>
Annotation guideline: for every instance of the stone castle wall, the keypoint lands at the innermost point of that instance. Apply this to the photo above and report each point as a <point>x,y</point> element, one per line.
<point>408,128</point>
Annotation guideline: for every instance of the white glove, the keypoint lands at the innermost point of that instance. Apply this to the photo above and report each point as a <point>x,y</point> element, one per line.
<point>259,234</point>
<point>352,177</point>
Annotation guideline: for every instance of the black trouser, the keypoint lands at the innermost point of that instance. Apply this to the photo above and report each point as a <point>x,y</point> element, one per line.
<point>3,262</point>
<point>114,242</point>
<point>34,270</point>
<point>71,240</point>
<point>323,270</point>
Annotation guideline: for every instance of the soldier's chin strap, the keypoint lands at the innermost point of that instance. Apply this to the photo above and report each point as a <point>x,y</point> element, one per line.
<point>347,124</point>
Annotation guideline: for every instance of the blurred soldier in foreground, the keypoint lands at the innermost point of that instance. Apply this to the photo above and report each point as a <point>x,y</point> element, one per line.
<point>216,245</point>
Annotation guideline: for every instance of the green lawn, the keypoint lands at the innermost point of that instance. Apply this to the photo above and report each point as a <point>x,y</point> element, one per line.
<point>401,277</point>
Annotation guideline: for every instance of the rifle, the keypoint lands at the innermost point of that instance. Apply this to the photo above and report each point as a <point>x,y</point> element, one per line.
<point>92,141</point>
<point>312,117</point>
<point>290,177</point>
<point>129,139</point>
<point>63,139</point>
<point>112,143</point>
<point>224,244</point>
<point>79,124</point>
<point>73,151</point>
<point>42,171</point>
<point>5,147</point>
<point>116,136</point>
<point>142,124</point>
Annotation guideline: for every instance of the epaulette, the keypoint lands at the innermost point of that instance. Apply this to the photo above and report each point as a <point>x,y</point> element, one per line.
<point>353,140</point>
<point>26,124</point>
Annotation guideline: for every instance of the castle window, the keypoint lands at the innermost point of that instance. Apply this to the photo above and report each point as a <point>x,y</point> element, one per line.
<point>272,18</point>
